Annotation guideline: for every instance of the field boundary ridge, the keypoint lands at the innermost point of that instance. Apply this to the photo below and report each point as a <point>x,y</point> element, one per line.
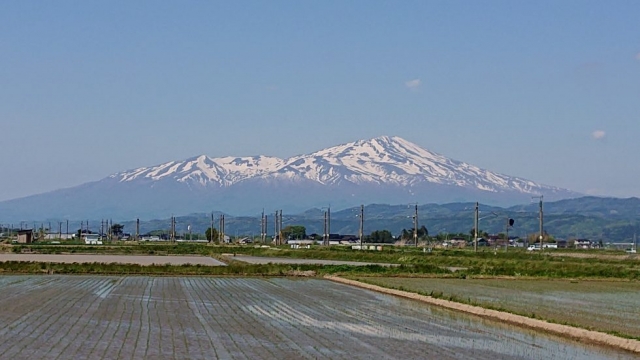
<point>575,333</point>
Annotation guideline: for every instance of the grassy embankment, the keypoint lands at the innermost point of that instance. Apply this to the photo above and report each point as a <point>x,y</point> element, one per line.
<point>603,305</point>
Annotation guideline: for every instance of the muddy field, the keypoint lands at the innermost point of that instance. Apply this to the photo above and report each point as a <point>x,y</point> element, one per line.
<point>121,259</point>
<point>612,306</point>
<point>232,318</point>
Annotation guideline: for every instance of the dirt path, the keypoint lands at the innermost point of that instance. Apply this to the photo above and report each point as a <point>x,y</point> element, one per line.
<point>583,335</point>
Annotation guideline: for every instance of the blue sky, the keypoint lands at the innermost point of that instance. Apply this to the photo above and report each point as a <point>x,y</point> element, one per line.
<point>546,90</point>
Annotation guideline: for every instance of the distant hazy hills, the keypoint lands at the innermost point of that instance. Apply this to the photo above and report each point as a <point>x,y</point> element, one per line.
<point>607,219</point>
<point>380,170</point>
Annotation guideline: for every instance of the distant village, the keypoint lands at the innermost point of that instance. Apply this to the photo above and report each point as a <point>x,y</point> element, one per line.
<point>497,241</point>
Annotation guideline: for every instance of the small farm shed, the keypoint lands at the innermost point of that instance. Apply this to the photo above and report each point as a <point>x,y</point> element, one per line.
<point>25,236</point>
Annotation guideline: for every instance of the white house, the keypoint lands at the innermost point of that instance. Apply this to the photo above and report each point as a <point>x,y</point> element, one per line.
<point>92,239</point>
<point>56,236</point>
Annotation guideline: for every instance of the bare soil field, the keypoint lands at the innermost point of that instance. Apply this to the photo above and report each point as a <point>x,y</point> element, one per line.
<point>100,317</point>
<point>122,259</point>
<point>610,306</point>
<point>275,260</point>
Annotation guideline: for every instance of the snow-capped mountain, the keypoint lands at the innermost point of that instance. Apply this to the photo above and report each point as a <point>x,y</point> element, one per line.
<point>381,160</point>
<point>204,170</point>
<point>379,170</point>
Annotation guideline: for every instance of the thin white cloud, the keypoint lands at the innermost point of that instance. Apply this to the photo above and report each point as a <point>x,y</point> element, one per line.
<point>598,134</point>
<point>413,84</point>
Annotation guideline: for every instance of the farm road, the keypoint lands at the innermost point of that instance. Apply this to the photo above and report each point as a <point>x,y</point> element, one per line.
<point>276,260</point>
<point>122,259</point>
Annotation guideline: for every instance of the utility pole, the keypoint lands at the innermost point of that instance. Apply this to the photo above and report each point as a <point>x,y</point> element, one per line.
<point>328,225</point>
<point>275,229</point>
<point>59,229</point>
<point>173,229</point>
<point>211,231</point>
<point>541,223</point>
<point>475,230</point>
<point>137,229</point>
<point>262,227</point>
<point>266,228</point>
<point>506,247</point>
<point>325,241</point>
<point>415,226</point>
<point>361,233</point>
<point>220,227</point>
<point>223,228</point>
<point>280,228</point>
<point>67,227</point>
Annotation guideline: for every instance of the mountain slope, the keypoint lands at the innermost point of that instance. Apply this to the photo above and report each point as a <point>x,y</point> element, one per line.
<point>205,170</point>
<point>393,160</point>
<point>382,160</point>
<point>379,170</point>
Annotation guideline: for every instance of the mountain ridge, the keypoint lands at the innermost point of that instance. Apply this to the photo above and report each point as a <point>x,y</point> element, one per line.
<point>396,161</point>
<point>379,170</point>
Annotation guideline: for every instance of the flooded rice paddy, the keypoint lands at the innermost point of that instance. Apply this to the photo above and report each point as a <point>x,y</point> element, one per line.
<point>612,306</point>
<point>101,317</point>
